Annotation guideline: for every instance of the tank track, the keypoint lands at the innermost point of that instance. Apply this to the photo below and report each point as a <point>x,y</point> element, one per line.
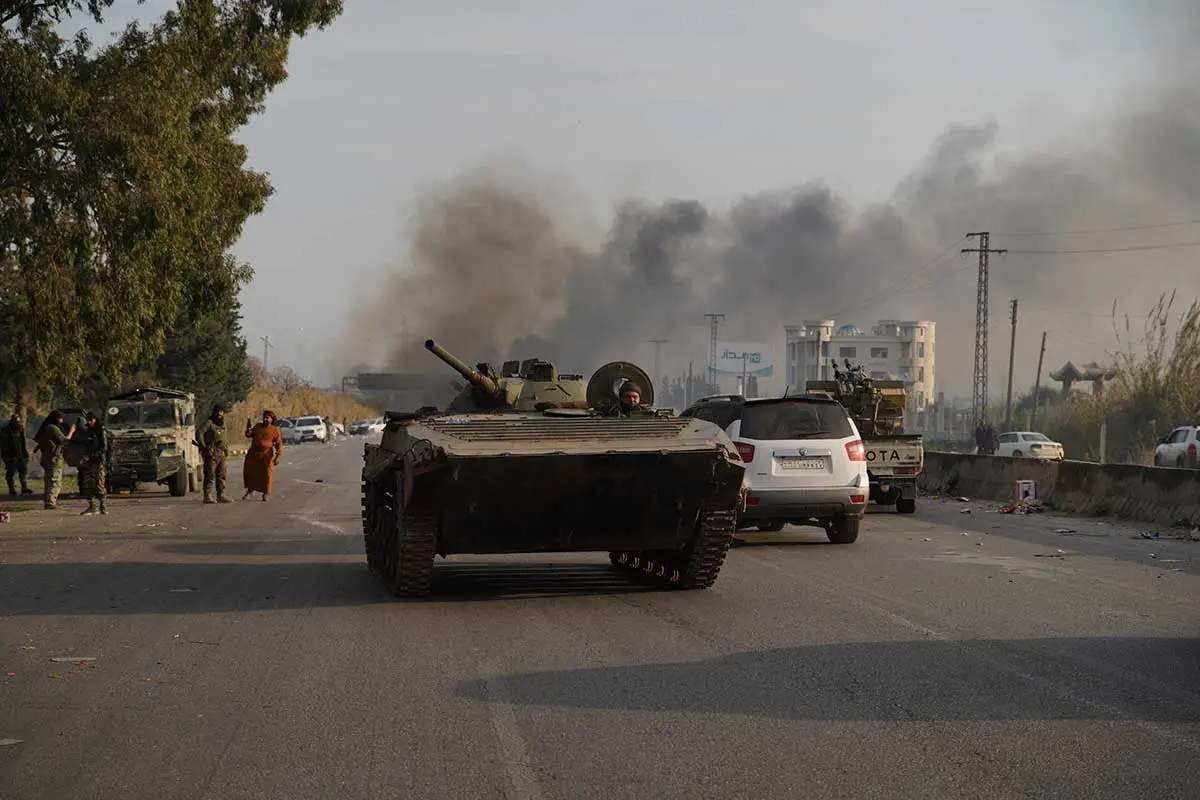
<point>407,546</point>
<point>370,526</point>
<point>696,567</point>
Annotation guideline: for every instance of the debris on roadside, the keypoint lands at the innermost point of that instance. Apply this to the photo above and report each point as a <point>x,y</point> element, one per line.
<point>10,742</point>
<point>1023,507</point>
<point>5,516</point>
<point>964,499</point>
<point>72,659</point>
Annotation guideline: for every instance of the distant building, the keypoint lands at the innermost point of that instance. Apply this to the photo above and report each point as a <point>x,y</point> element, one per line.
<point>896,349</point>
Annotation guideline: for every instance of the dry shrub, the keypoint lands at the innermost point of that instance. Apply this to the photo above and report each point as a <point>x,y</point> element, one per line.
<point>1156,388</point>
<point>299,402</point>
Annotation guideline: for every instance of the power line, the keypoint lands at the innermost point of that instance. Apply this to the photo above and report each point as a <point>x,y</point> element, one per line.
<point>1097,314</point>
<point>908,286</point>
<point>1155,226</point>
<point>1168,246</point>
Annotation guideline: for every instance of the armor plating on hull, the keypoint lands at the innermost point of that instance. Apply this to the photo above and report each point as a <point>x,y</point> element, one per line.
<point>658,493</point>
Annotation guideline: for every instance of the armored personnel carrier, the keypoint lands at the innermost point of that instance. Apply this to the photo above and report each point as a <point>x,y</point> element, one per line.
<point>894,458</point>
<point>533,461</point>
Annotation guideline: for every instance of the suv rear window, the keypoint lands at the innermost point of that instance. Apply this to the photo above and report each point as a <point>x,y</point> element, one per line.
<point>795,419</point>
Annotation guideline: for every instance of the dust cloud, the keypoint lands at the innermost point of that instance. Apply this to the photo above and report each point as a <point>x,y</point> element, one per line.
<point>497,270</point>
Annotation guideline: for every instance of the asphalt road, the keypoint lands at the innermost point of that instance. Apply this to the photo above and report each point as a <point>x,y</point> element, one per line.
<point>244,651</point>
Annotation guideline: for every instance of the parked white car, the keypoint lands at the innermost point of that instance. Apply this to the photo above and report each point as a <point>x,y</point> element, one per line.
<point>311,429</point>
<point>1029,444</point>
<point>1179,448</point>
<point>287,430</point>
<point>805,461</point>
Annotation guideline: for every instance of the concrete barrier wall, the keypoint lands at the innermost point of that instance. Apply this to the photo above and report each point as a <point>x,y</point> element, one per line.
<point>1150,494</point>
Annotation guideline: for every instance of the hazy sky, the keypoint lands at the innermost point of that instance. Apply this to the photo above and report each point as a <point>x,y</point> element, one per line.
<point>670,98</point>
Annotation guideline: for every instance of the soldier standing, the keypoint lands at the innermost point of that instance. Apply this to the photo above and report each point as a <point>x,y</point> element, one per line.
<point>52,443</point>
<point>15,452</point>
<point>93,464</point>
<point>213,442</point>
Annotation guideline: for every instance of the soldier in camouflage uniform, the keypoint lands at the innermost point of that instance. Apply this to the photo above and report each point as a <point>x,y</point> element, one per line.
<point>52,443</point>
<point>15,452</point>
<point>213,441</point>
<point>93,464</point>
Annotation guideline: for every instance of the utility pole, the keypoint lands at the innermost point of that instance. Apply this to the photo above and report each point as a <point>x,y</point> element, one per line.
<point>657,344</point>
<point>1037,386</point>
<point>712,348</point>
<point>266,340</point>
<point>1012,349</point>
<point>979,399</point>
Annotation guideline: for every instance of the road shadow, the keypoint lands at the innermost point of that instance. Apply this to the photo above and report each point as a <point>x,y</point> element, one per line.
<point>303,546</point>
<point>1148,679</point>
<point>208,587</point>
<point>782,539</point>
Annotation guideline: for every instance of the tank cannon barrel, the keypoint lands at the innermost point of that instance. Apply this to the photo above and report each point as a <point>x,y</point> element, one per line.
<point>481,382</point>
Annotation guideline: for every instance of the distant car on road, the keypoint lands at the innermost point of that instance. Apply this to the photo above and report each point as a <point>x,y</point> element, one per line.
<point>287,430</point>
<point>1179,448</point>
<point>311,429</point>
<point>1029,444</point>
<point>360,427</point>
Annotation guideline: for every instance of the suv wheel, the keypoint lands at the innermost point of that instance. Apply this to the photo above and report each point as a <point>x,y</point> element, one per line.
<point>843,529</point>
<point>906,505</point>
<point>770,527</point>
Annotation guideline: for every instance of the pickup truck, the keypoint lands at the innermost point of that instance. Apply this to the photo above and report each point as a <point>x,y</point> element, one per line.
<point>893,463</point>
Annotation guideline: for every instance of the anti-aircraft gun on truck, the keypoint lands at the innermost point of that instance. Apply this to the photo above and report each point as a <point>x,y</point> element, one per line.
<point>530,460</point>
<point>894,458</point>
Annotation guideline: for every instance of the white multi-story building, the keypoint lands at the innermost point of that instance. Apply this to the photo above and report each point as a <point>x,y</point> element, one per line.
<point>895,349</point>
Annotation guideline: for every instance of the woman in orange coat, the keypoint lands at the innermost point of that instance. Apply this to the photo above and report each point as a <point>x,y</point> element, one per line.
<point>266,446</point>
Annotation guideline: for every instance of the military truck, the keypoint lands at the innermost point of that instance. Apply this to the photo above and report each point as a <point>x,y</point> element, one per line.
<point>151,432</point>
<point>530,460</point>
<point>894,458</point>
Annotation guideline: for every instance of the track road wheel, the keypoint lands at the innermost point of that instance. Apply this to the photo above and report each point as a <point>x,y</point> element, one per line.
<point>906,506</point>
<point>698,566</point>
<point>410,545</point>
<point>371,526</point>
<point>843,529</point>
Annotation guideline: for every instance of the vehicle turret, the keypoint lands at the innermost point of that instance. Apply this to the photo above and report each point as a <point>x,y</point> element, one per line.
<point>877,405</point>
<point>487,388</point>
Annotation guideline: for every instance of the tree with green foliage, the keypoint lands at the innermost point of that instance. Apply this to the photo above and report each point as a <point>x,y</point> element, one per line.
<point>122,189</point>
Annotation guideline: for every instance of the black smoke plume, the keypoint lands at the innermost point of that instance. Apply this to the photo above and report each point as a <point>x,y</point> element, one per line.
<point>494,270</point>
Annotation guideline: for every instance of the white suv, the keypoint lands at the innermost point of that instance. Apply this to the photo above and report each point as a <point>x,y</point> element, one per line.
<point>310,429</point>
<point>805,461</point>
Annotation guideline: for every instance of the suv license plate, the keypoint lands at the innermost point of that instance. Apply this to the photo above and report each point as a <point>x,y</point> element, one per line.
<point>802,463</point>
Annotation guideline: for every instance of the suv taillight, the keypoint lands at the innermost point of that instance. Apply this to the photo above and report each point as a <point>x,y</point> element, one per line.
<point>746,451</point>
<point>856,451</point>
